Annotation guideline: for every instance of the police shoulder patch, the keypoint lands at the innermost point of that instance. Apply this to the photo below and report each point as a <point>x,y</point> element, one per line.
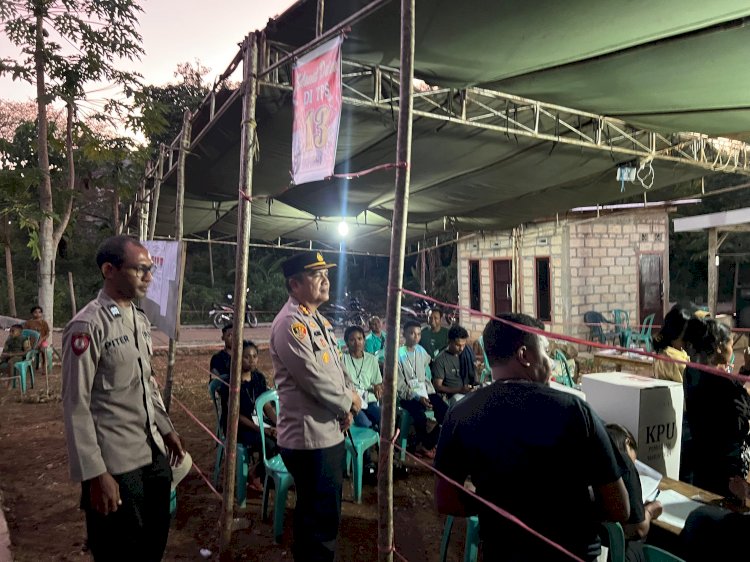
<point>80,343</point>
<point>299,331</point>
<point>304,310</point>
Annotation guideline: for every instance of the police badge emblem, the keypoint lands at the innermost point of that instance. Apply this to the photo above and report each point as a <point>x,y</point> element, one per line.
<point>299,331</point>
<point>114,311</point>
<point>80,343</point>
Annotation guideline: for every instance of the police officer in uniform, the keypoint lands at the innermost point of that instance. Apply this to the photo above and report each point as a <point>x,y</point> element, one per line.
<point>317,400</point>
<point>119,436</point>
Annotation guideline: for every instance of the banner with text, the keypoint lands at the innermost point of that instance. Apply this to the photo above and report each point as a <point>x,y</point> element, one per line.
<point>160,304</point>
<point>317,111</point>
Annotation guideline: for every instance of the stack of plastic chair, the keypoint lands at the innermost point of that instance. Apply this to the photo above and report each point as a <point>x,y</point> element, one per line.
<point>275,470</point>
<point>471,549</point>
<point>622,325</point>
<point>643,336</point>
<point>240,492</point>
<point>24,371</point>
<point>562,359</point>
<point>362,438</point>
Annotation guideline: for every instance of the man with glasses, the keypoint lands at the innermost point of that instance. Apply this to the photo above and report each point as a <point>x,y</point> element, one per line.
<point>317,401</point>
<point>120,439</point>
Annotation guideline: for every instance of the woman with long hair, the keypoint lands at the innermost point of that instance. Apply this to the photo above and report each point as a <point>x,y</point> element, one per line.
<point>669,342</point>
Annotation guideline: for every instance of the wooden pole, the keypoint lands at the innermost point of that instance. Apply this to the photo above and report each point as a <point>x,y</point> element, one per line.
<point>211,259</point>
<point>179,208</point>
<point>156,193</point>
<point>319,18</point>
<point>73,307</point>
<point>395,281</point>
<point>713,270</point>
<point>247,150</point>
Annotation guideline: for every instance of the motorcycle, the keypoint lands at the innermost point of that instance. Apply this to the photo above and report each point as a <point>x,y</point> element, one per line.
<point>223,314</point>
<point>353,314</point>
<point>420,310</point>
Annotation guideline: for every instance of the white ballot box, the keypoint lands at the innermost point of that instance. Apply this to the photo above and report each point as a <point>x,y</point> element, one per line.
<point>650,408</point>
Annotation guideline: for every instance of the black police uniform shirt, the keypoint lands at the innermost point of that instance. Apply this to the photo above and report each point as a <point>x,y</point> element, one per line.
<point>533,451</point>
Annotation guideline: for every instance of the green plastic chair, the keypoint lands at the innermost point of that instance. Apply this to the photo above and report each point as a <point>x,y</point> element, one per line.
<point>364,438</point>
<point>622,324</point>
<point>243,455</point>
<point>275,469</point>
<point>471,548</point>
<point>487,371</point>
<point>173,503</point>
<point>562,359</point>
<point>24,371</point>
<point>404,426</point>
<point>656,554</point>
<point>616,543</point>
<point>642,337</point>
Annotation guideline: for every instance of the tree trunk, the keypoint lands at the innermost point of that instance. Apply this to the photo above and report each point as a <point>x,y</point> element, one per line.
<point>9,268</point>
<point>46,271</point>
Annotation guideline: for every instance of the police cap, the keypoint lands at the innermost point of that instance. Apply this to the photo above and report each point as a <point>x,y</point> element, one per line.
<point>308,261</point>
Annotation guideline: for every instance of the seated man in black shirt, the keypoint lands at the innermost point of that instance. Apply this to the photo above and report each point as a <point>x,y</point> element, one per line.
<point>453,370</point>
<point>221,362</point>
<point>536,452</point>
<point>248,430</point>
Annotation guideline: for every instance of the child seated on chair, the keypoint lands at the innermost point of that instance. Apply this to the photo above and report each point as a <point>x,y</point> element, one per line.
<point>415,390</point>
<point>637,527</point>
<point>365,374</point>
<point>253,384</point>
<point>14,350</point>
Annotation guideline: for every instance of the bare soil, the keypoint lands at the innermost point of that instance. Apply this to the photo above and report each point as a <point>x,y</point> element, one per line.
<point>41,503</point>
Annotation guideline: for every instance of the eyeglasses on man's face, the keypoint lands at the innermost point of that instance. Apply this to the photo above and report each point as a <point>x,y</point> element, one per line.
<point>141,270</point>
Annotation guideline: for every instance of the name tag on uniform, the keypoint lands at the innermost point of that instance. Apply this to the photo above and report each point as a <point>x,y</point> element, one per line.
<point>114,311</point>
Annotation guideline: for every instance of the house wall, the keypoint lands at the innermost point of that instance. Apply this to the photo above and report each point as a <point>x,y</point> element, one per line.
<point>594,266</point>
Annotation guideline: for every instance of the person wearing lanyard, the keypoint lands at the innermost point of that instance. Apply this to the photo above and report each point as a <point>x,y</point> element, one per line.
<point>317,403</point>
<point>365,373</point>
<point>375,341</point>
<point>120,439</point>
<point>415,391</point>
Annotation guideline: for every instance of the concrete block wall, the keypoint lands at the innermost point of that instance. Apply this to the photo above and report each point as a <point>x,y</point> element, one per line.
<point>593,262</point>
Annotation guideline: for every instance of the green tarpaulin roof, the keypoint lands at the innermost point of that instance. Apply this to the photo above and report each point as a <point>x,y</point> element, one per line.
<point>669,66</point>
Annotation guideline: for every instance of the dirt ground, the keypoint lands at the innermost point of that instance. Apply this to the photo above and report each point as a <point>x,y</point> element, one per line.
<point>45,524</point>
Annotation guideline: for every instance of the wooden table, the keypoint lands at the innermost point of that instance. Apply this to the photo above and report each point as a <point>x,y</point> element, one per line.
<point>699,495</point>
<point>637,364</point>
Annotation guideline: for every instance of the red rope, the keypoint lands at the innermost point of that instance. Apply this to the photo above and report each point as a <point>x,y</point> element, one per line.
<point>705,368</point>
<point>196,420</point>
<point>206,480</point>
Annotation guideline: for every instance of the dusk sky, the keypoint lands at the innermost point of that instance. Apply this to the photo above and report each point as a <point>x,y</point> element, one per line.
<point>176,31</point>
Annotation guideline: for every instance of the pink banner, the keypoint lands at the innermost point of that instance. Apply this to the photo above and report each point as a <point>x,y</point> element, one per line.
<point>317,110</point>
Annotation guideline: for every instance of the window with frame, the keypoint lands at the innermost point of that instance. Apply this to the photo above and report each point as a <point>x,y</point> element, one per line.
<point>475,295</point>
<point>543,290</point>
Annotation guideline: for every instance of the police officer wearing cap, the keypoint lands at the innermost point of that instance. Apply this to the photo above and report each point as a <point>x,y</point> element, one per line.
<point>317,400</point>
<point>119,436</point>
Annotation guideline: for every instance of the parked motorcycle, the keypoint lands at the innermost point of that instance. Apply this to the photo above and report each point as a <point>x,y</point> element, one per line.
<point>353,314</point>
<point>420,309</point>
<point>223,314</point>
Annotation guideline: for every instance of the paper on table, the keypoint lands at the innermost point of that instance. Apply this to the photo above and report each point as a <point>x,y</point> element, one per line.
<point>676,508</point>
<point>650,479</point>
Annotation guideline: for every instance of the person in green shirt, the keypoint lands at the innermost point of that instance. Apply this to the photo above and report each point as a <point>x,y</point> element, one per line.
<point>375,342</point>
<point>365,374</point>
<point>435,337</point>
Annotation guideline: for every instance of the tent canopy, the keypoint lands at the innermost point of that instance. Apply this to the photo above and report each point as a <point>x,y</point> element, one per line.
<point>667,66</point>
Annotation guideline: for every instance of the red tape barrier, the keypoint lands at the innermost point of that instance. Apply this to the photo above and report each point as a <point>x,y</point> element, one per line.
<point>199,422</point>
<point>207,481</point>
<point>578,341</point>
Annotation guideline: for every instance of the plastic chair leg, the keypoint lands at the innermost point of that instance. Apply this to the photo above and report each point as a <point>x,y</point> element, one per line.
<point>31,374</point>
<point>266,494</point>
<point>471,550</point>
<point>217,464</point>
<point>240,489</point>
<point>403,437</point>
<point>446,538</point>
<point>279,507</point>
<point>173,503</point>
<point>357,477</point>
<point>19,371</point>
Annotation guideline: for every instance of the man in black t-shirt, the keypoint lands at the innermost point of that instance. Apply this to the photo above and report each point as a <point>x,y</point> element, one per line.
<point>453,370</point>
<point>221,362</point>
<point>531,450</point>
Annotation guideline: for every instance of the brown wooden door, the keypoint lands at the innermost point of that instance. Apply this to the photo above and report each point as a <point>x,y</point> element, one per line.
<point>651,287</point>
<point>502,284</point>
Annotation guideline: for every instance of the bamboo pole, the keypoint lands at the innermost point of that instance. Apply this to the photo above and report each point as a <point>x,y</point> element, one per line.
<point>319,18</point>
<point>184,148</point>
<point>713,270</point>
<point>395,281</point>
<point>247,149</point>
<point>211,259</point>
<point>73,307</point>
<point>156,193</point>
